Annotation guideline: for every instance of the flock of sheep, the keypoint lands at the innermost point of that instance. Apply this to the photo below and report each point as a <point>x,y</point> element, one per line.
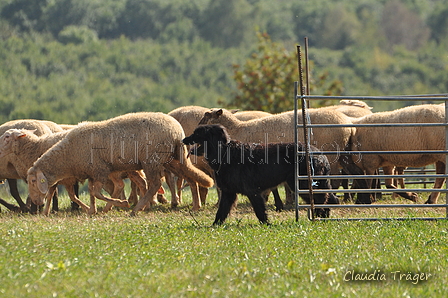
<point>147,147</point>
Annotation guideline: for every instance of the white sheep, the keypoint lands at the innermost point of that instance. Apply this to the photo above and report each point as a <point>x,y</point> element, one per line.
<point>26,148</point>
<point>412,138</point>
<point>250,115</point>
<point>148,141</point>
<point>39,127</point>
<point>351,108</point>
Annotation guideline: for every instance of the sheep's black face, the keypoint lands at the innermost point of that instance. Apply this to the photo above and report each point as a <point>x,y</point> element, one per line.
<point>206,135</point>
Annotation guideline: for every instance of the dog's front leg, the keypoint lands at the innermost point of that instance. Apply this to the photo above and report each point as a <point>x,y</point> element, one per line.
<point>225,204</point>
<point>258,203</point>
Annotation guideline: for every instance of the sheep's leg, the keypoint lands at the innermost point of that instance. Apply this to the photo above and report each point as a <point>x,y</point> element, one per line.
<point>179,184</point>
<point>154,183</point>
<point>74,198</point>
<point>133,196</point>
<point>389,184</point>
<point>97,186</point>
<point>115,187</point>
<point>56,200</point>
<point>440,169</point>
<point>194,188</point>
<point>345,185</point>
<point>109,187</point>
<point>118,189</point>
<point>175,197</point>
<point>195,196</point>
<point>334,170</point>
<point>139,181</point>
<point>75,206</point>
<point>395,181</point>
<point>203,192</point>
<point>160,198</point>
<point>93,209</point>
<point>138,184</point>
<point>11,207</point>
<point>49,196</point>
<point>400,171</point>
<point>15,194</point>
<point>365,198</point>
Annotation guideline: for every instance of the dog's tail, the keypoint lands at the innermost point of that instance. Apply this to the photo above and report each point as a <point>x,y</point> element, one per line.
<point>182,167</point>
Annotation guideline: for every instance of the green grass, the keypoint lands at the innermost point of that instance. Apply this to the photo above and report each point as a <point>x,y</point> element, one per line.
<point>165,253</point>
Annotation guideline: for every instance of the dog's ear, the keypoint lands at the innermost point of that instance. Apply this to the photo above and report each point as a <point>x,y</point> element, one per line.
<point>224,135</point>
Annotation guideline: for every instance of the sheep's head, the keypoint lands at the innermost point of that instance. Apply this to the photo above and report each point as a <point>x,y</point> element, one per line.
<point>355,103</point>
<point>8,141</point>
<point>210,115</point>
<point>37,186</point>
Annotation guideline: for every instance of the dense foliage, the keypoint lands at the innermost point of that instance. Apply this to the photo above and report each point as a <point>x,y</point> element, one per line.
<point>68,61</point>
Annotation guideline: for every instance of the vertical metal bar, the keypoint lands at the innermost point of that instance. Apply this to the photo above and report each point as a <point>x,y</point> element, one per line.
<point>305,129</point>
<point>307,68</point>
<point>296,156</point>
<point>446,155</point>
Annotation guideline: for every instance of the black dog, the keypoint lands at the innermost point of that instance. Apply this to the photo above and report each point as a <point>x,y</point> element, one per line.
<point>250,169</point>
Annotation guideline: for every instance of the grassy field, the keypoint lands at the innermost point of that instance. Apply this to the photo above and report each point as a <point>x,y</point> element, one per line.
<point>165,253</point>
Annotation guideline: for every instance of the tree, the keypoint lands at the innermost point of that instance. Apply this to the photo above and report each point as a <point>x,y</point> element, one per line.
<point>266,80</point>
<point>401,26</point>
<point>228,23</point>
<point>439,24</point>
<point>339,29</point>
<point>25,14</point>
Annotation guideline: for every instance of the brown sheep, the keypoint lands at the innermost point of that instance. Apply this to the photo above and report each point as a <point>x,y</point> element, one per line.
<point>412,138</point>
<point>148,141</point>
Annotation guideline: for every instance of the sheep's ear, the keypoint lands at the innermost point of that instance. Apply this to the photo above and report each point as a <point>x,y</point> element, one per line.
<point>219,112</point>
<point>42,183</point>
<point>234,111</point>
<point>20,134</point>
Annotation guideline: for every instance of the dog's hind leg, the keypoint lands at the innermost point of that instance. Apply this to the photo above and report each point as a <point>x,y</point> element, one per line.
<point>259,206</point>
<point>226,202</point>
<point>278,201</point>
